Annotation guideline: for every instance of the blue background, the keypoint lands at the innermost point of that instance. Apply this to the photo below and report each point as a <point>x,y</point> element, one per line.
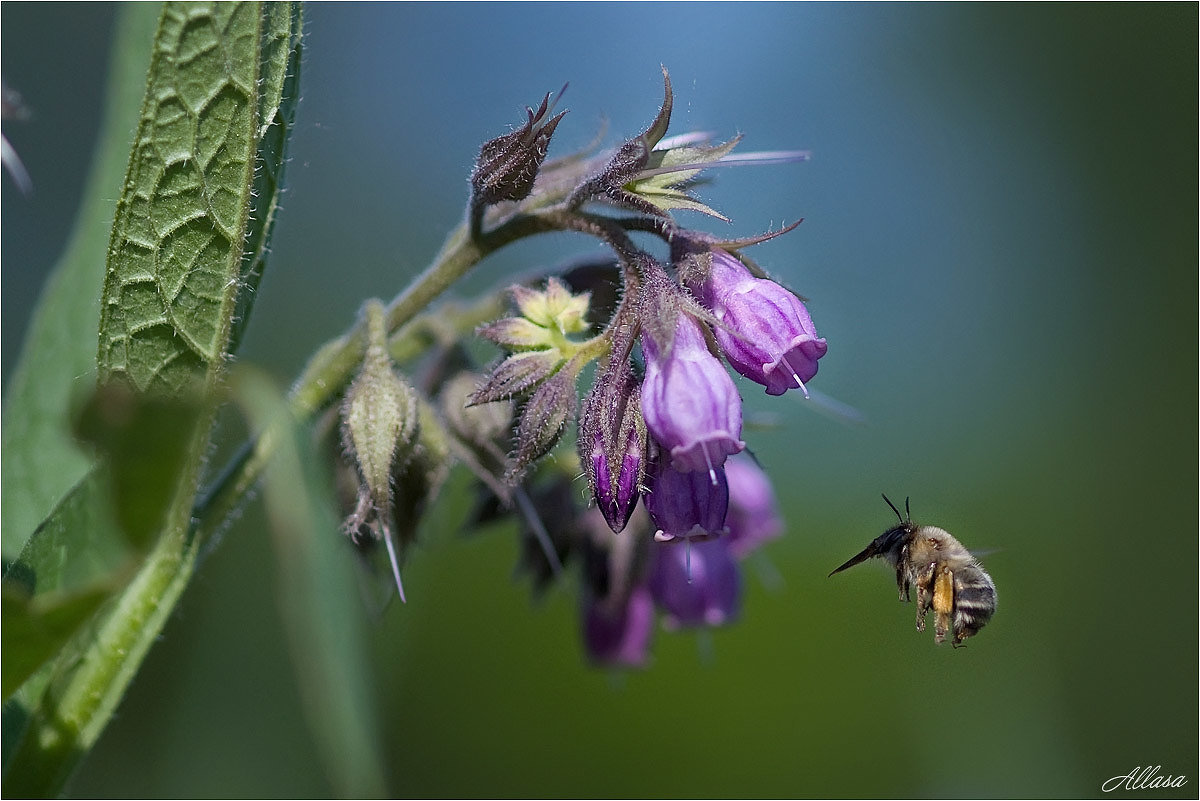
<point>1000,245</point>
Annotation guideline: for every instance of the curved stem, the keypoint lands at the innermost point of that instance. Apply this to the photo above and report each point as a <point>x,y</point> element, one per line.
<point>334,364</point>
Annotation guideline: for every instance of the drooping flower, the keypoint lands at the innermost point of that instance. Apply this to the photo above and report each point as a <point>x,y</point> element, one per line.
<point>768,335</point>
<point>619,637</point>
<point>753,516</point>
<point>690,404</point>
<point>696,584</point>
<point>686,505</point>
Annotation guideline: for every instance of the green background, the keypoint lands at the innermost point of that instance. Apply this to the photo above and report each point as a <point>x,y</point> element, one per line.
<point>1000,245</point>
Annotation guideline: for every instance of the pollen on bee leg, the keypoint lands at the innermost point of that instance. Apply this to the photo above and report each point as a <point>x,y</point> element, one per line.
<point>391,549</point>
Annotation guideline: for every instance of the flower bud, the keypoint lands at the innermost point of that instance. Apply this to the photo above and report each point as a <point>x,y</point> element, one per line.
<point>543,418</point>
<point>379,415</point>
<point>696,584</point>
<point>516,376</point>
<point>379,423</point>
<point>508,165</point>
<point>609,184</point>
<point>612,439</point>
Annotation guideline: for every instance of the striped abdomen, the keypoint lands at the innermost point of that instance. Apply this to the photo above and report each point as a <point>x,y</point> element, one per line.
<point>974,601</point>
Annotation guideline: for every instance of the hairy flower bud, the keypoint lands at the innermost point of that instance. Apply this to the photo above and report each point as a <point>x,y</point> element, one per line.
<point>379,423</point>
<point>688,399</point>
<point>517,376</point>
<point>379,415</point>
<point>508,165</point>
<point>768,335</point>
<point>696,584</point>
<point>543,418</point>
<point>612,439</point>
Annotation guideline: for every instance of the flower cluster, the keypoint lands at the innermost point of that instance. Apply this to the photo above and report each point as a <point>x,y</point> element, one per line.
<point>662,422</point>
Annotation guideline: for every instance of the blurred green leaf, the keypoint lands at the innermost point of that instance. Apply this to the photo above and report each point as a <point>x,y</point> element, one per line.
<point>41,461</point>
<point>145,439</point>
<point>37,628</point>
<point>318,595</point>
<point>74,560</point>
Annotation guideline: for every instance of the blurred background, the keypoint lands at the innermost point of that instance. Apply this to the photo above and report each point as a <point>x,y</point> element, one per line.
<point>1000,244</point>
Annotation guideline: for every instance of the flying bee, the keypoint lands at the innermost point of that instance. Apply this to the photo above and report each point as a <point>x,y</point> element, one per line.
<point>948,578</point>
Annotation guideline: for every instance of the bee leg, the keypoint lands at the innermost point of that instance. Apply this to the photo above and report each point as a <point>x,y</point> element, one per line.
<point>943,602</point>
<point>924,582</point>
<point>901,577</point>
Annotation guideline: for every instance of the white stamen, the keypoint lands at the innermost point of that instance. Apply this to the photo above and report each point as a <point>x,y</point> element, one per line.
<point>712,473</point>
<point>687,558</point>
<point>391,549</point>
<point>795,376</point>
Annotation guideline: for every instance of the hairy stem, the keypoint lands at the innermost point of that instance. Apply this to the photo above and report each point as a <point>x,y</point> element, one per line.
<point>334,364</point>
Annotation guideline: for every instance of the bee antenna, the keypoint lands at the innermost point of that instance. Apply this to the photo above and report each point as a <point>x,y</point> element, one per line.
<point>894,509</point>
<point>907,511</point>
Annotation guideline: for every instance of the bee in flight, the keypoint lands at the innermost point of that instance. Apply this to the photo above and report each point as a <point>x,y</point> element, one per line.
<point>948,578</point>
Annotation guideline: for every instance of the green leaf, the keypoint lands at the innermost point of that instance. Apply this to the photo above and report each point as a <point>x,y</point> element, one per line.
<point>318,595</point>
<point>176,250</point>
<point>174,280</point>
<point>40,460</point>
<point>279,94</point>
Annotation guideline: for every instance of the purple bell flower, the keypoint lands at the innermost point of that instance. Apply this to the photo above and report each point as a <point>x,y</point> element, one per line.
<point>753,516</point>
<point>770,337</point>
<point>619,637</point>
<point>686,505</point>
<point>696,584</point>
<point>690,404</point>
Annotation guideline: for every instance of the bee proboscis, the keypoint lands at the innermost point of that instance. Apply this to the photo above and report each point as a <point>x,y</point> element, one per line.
<point>949,580</point>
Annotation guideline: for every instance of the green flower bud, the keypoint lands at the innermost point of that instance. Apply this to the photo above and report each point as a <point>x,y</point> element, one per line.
<point>379,425</point>
<point>379,416</point>
<point>544,417</point>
